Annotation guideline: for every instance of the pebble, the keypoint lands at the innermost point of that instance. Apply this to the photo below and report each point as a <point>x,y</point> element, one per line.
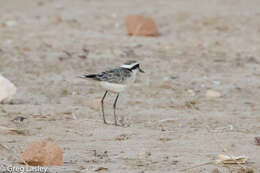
<point>212,94</point>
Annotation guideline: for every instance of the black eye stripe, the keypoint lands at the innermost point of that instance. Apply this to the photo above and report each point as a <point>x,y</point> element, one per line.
<point>135,67</point>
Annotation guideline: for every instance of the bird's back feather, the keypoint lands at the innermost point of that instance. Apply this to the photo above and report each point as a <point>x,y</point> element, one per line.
<point>118,75</point>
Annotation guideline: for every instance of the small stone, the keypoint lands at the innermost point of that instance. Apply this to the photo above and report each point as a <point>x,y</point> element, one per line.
<point>11,23</point>
<point>43,153</point>
<point>257,140</point>
<point>212,94</point>
<point>7,89</point>
<point>141,26</point>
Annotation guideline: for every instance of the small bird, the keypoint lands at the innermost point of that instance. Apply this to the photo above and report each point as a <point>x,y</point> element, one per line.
<point>116,80</point>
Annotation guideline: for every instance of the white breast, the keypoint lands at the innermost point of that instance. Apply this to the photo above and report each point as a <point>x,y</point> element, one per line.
<point>132,78</point>
<point>113,86</point>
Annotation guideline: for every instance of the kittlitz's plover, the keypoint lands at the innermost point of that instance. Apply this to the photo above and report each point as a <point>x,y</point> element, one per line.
<point>116,81</point>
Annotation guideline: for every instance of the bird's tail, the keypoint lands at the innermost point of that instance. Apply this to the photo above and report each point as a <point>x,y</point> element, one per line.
<point>88,76</point>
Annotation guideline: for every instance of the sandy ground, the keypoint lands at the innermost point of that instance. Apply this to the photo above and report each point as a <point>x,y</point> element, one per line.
<point>170,124</point>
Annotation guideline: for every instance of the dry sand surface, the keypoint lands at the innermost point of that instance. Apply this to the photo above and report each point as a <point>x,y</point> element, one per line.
<point>169,123</point>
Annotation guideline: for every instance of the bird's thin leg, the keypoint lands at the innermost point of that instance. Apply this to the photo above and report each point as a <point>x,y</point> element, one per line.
<point>102,105</point>
<point>114,106</point>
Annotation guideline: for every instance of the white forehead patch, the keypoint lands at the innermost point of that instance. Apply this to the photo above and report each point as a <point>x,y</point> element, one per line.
<point>129,66</point>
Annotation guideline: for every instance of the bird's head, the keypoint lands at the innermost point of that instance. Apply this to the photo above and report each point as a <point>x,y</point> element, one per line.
<point>132,65</point>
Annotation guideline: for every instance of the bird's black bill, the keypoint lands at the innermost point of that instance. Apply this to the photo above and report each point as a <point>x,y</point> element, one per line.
<point>141,70</point>
<point>88,76</point>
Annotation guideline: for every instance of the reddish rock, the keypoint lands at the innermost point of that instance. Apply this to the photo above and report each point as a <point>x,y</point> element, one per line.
<point>141,26</point>
<point>43,153</point>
